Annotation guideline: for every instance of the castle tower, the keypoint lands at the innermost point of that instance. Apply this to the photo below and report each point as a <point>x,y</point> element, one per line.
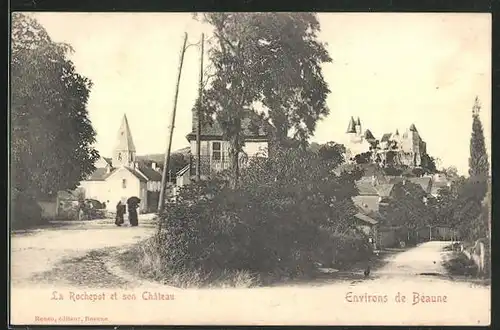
<point>358,127</point>
<point>414,140</point>
<point>124,152</point>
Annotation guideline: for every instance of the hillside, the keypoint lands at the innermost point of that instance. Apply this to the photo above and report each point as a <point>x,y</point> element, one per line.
<point>159,158</point>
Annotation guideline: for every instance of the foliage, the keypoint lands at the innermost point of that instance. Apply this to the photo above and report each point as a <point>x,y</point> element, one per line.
<point>255,62</point>
<point>409,207</point>
<point>462,206</point>
<point>478,160</point>
<point>364,158</point>
<point>52,135</point>
<point>333,152</point>
<point>279,221</point>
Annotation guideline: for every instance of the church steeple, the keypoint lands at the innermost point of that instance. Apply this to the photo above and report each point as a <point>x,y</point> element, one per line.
<point>124,153</point>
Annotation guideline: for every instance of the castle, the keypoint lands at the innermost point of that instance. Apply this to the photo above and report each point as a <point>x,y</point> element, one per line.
<point>393,148</point>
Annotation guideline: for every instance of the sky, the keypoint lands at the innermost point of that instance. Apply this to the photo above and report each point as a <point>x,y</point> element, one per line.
<point>389,69</point>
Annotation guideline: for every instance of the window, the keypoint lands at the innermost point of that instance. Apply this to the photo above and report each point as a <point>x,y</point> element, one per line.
<point>119,156</point>
<point>124,183</point>
<point>216,150</point>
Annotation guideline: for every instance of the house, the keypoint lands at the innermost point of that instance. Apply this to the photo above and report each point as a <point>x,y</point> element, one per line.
<point>214,148</point>
<point>121,177</point>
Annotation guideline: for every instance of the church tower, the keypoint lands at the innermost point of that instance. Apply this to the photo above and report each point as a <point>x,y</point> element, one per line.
<point>124,152</point>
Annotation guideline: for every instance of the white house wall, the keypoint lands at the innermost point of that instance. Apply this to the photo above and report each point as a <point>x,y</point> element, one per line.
<point>111,190</point>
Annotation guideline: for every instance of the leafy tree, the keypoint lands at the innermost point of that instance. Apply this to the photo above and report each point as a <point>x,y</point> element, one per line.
<point>52,135</point>
<point>364,158</point>
<point>269,58</point>
<point>410,207</point>
<point>478,160</point>
<point>333,152</point>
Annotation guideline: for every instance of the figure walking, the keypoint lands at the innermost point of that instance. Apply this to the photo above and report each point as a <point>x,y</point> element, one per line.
<point>133,204</point>
<point>120,211</point>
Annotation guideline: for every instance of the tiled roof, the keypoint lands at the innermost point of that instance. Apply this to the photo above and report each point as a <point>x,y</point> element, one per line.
<point>369,135</point>
<point>366,188</point>
<point>365,218</point>
<point>136,174</point>
<point>386,137</point>
<point>384,190</point>
<point>424,182</point>
<point>151,174</point>
<point>248,125</point>
<point>100,174</point>
<point>366,204</point>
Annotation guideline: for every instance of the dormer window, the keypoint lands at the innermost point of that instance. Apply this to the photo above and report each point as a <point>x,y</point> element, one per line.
<point>124,183</point>
<point>119,156</point>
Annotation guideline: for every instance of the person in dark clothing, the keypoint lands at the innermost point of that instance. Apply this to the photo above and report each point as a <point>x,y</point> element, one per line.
<point>133,204</point>
<point>120,211</point>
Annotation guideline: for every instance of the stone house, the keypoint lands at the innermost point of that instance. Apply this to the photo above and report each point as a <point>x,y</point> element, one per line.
<point>121,177</point>
<point>214,148</point>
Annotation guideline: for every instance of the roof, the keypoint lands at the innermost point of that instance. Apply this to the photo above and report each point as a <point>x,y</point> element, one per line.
<point>358,122</point>
<point>366,188</point>
<point>351,128</point>
<point>250,130</point>
<point>151,174</point>
<point>413,128</point>
<point>136,174</point>
<point>108,160</point>
<point>437,185</point>
<point>385,189</point>
<point>386,137</point>
<point>183,170</point>
<point>366,204</point>
<point>100,174</point>
<point>365,218</point>
<point>424,182</point>
<point>369,135</point>
<point>124,140</point>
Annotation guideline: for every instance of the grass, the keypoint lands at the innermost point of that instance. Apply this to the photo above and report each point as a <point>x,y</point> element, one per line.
<point>144,261</point>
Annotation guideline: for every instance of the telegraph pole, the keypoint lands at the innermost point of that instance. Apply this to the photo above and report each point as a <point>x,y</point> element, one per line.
<point>198,111</point>
<point>166,164</point>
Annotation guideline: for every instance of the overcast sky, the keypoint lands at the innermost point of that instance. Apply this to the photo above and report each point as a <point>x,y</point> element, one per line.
<point>391,70</point>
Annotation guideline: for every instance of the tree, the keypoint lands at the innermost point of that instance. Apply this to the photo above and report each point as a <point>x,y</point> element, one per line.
<point>333,152</point>
<point>255,62</point>
<point>409,207</point>
<point>52,135</point>
<point>478,160</point>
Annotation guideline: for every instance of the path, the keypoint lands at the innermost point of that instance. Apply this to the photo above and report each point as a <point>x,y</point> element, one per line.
<point>334,303</point>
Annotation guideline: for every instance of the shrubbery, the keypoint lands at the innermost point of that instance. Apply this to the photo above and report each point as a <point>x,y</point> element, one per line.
<point>289,212</point>
<point>25,210</point>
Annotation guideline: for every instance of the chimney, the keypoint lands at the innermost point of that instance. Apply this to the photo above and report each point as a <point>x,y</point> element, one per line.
<point>108,169</point>
<point>136,165</point>
<point>374,180</point>
<point>153,166</point>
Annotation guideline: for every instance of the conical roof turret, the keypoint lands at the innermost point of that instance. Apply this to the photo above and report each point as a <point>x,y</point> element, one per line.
<point>352,126</point>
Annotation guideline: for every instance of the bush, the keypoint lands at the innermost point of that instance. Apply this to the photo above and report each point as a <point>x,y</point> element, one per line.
<point>278,223</point>
<point>25,211</point>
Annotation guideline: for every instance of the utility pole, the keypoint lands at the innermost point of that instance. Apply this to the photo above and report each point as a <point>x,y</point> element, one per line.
<point>166,164</point>
<point>198,111</point>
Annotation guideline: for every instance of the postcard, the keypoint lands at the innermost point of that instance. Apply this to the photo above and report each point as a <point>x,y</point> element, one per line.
<point>246,168</point>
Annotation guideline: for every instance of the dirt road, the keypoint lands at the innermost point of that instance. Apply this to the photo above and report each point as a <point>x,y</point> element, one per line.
<point>431,297</point>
